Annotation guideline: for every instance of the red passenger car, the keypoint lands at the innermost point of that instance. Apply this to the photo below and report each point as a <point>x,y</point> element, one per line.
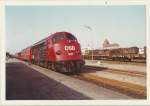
<point>26,54</point>
<point>18,55</point>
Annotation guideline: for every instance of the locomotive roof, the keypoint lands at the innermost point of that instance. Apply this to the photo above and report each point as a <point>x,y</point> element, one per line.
<point>39,42</point>
<point>50,36</point>
<point>60,33</point>
<point>43,40</point>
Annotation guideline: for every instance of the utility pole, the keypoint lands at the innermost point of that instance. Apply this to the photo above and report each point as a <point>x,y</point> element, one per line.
<point>90,29</point>
<point>92,53</point>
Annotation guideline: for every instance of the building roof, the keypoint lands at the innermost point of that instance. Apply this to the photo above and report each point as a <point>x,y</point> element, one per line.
<point>107,45</point>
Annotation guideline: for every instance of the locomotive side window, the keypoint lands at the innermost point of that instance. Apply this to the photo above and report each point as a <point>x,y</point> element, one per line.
<point>70,37</point>
<point>58,38</point>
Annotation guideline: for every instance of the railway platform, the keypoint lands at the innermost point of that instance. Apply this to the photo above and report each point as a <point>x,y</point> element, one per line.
<point>31,82</point>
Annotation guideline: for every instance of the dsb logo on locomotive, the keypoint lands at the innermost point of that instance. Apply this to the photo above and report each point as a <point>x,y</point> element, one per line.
<point>69,48</point>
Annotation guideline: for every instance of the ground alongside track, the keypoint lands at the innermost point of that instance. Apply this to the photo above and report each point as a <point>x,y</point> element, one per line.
<point>24,83</point>
<point>126,78</point>
<point>31,82</point>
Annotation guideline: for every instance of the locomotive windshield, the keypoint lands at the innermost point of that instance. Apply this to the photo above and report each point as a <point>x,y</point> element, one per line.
<point>70,37</point>
<point>58,38</point>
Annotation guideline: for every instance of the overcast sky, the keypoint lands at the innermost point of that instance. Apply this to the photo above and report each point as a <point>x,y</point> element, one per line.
<point>125,25</point>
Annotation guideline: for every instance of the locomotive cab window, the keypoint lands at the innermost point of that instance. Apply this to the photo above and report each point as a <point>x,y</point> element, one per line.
<point>58,38</point>
<point>70,37</point>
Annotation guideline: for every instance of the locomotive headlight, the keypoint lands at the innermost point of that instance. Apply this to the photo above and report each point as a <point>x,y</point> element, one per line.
<point>58,52</point>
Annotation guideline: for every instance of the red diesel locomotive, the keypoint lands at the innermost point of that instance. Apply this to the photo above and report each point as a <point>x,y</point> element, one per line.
<point>60,51</point>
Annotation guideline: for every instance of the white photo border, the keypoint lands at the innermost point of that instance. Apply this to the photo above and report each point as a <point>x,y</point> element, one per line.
<point>5,3</point>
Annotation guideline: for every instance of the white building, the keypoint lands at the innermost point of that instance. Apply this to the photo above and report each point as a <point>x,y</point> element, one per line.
<point>107,45</point>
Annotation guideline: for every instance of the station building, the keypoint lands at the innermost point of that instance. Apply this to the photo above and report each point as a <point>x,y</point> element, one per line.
<point>108,45</point>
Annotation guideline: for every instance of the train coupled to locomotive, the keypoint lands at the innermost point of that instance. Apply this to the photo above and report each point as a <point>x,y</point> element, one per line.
<point>60,51</point>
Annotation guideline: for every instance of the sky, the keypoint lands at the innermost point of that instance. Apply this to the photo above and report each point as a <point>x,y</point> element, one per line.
<point>125,25</point>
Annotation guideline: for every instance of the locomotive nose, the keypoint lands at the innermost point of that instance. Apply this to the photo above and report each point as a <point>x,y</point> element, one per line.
<point>67,51</point>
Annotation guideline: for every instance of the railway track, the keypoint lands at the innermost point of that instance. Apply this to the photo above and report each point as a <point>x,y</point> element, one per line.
<point>117,71</point>
<point>134,62</point>
<point>136,90</point>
